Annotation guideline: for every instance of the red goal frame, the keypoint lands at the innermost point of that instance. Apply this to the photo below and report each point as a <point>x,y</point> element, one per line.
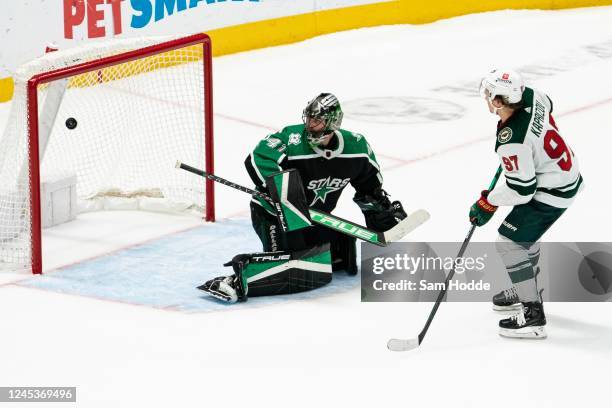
<point>33,129</point>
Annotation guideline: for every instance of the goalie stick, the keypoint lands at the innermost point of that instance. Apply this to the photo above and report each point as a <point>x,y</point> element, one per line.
<point>328,220</point>
<point>409,344</point>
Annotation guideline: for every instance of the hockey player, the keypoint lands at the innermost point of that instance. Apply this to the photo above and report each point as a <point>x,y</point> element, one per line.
<point>323,159</point>
<point>542,179</point>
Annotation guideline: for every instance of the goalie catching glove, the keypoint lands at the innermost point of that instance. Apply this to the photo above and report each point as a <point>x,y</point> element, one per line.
<point>380,213</point>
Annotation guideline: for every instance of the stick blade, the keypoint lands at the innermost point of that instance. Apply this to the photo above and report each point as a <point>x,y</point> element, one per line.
<point>402,344</point>
<point>407,225</point>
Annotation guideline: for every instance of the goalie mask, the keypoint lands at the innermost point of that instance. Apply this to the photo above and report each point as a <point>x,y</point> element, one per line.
<point>321,116</point>
<point>507,84</point>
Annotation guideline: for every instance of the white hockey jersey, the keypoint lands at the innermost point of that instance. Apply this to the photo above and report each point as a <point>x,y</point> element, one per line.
<point>537,162</point>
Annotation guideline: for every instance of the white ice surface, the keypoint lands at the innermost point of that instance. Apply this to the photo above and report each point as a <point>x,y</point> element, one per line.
<point>330,351</point>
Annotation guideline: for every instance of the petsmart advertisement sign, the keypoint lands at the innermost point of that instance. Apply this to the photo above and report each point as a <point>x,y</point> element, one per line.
<point>70,22</point>
<point>141,13</point>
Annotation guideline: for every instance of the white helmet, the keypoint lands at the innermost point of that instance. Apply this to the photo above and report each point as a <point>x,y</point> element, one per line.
<point>505,83</point>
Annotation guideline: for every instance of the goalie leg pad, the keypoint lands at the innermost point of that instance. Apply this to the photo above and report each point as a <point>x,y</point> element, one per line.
<point>267,229</point>
<point>272,236</point>
<point>343,248</point>
<point>288,272</point>
<point>344,254</point>
<point>273,273</point>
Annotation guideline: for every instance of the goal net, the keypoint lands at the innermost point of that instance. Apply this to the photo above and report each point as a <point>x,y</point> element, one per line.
<point>117,115</point>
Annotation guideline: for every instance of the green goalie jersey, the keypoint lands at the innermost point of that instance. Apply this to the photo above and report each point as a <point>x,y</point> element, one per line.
<point>538,163</point>
<point>325,171</point>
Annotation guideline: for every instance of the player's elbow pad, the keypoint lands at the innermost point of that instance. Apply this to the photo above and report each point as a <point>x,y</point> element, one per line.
<point>521,199</point>
<point>509,199</point>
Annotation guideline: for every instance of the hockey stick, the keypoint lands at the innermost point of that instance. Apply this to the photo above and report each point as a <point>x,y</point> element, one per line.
<point>328,220</point>
<point>409,344</point>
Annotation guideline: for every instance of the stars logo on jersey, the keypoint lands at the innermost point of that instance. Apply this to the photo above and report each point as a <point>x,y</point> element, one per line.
<point>295,139</point>
<point>273,142</point>
<point>504,135</point>
<point>322,187</point>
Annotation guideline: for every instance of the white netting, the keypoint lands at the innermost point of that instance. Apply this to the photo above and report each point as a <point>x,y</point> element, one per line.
<point>134,120</point>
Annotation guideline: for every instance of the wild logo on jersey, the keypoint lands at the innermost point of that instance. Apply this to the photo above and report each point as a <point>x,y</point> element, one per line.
<point>504,135</point>
<point>322,187</point>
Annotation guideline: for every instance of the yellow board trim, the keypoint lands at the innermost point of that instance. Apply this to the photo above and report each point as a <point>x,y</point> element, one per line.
<point>6,89</point>
<point>287,30</point>
<point>291,29</point>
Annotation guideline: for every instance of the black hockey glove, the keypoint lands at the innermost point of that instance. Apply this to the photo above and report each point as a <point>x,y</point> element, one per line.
<point>380,213</point>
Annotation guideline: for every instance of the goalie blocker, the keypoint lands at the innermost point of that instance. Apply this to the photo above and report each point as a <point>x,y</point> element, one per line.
<point>300,233</point>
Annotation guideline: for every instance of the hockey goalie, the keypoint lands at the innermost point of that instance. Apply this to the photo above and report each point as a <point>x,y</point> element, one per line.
<point>306,166</point>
